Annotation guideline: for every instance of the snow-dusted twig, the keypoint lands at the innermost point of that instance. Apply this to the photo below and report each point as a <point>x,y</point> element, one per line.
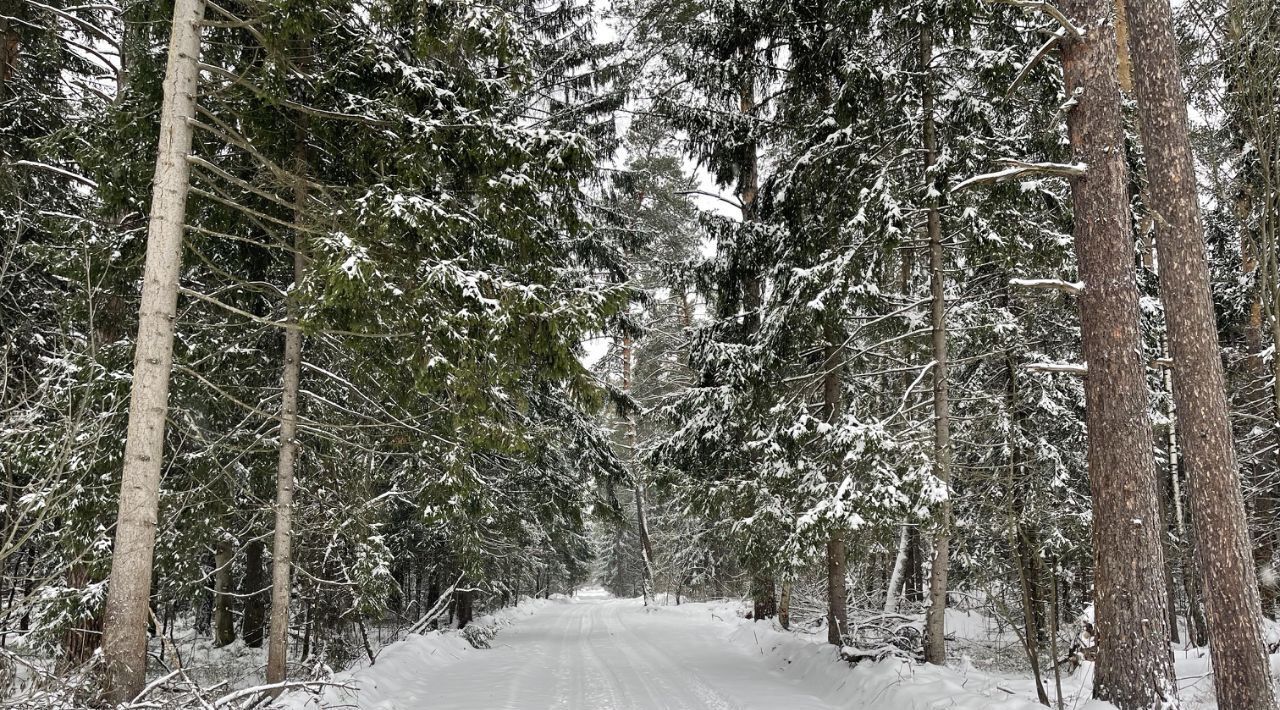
<point>1017,168</point>
<point>1047,9</point>
<point>1067,287</point>
<point>1069,104</point>
<point>902,405</point>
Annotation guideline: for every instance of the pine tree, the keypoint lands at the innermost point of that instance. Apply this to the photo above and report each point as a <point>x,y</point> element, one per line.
<point>1232,607</point>
<point>1134,669</point>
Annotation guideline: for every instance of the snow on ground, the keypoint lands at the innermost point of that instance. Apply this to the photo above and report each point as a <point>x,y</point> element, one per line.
<point>593,652</point>
<point>405,672</point>
<point>892,684</point>
<point>597,653</point>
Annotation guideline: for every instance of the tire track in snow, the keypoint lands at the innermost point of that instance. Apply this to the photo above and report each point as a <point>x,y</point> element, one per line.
<point>620,696</point>
<point>606,640</point>
<point>696,691</point>
<point>548,648</point>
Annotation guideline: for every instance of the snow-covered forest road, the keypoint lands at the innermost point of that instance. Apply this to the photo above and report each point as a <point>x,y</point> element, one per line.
<point>604,654</point>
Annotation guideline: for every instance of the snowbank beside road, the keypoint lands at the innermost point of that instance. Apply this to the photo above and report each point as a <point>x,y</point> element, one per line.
<point>399,666</point>
<point>891,684</point>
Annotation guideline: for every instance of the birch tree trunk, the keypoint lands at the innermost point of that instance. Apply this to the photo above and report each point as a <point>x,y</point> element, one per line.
<point>935,644</point>
<point>282,548</point>
<point>1134,670</point>
<point>899,566</point>
<point>646,547</point>
<point>124,637</point>
<point>1232,606</point>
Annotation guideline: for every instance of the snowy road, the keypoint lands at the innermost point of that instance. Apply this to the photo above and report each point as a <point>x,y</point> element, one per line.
<point>606,654</point>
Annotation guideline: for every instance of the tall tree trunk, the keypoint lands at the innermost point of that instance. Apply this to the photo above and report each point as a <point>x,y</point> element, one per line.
<point>464,605</point>
<point>80,640</point>
<point>642,522</point>
<point>1031,626</point>
<point>1170,552</point>
<point>646,547</point>
<point>433,592</point>
<point>281,556</point>
<point>1184,547</point>
<point>1232,606</point>
<point>1197,628</point>
<point>837,568</point>
<point>784,605</point>
<point>764,600</point>
<point>1134,670</point>
<point>124,637</point>
<point>763,585</point>
<point>254,614</point>
<point>832,411</point>
<point>1263,455</point>
<point>1029,573</point>
<point>10,44</point>
<point>935,644</point>
<point>308,615</point>
<point>224,629</point>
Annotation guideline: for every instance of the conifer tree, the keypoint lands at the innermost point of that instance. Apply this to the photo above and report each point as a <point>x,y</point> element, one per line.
<point>1232,606</point>
<point>1134,669</point>
<point>128,605</point>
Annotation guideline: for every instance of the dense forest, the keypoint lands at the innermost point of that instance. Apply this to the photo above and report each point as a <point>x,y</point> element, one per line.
<point>325,322</point>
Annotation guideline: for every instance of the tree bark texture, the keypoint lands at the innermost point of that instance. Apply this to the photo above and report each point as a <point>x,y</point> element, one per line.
<point>124,636</point>
<point>282,547</point>
<point>832,411</point>
<point>252,588</point>
<point>1232,606</point>
<point>1134,669</point>
<point>224,628</point>
<point>935,644</point>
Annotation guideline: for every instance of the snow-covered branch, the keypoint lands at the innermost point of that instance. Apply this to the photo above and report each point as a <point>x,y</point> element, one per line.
<point>1083,369</point>
<point>1067,287</point>
<point>55,169</point>
<point>1018,168</point>
<point>1064,367</point>
<point>1031,63</point>
<point>1047,9</point>
<point>703,193</point>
